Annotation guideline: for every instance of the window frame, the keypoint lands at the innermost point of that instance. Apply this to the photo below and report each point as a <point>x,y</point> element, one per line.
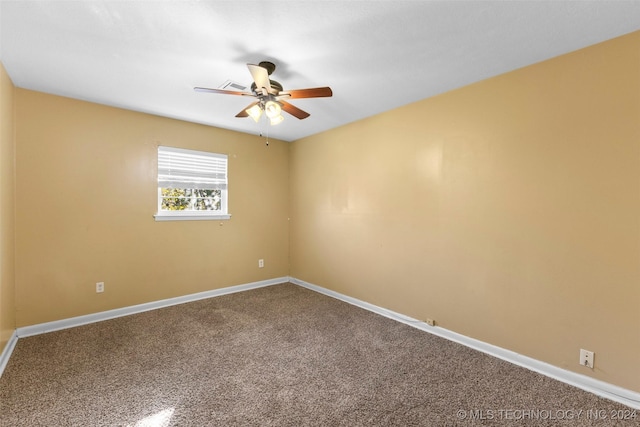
<point>193,215</point>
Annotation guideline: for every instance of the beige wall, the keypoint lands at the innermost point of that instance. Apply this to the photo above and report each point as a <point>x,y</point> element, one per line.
<point>7,206</point>
<point>86,195</point>
<point>508,210</point>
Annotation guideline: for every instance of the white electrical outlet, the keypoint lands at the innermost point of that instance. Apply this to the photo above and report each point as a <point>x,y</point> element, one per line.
<point>99,287</point>
<point>261,263</point>
<point>586,358</point>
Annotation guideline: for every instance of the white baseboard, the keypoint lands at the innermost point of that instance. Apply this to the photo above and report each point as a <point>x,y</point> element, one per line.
<point>600,388</point>
<point>57,325</point>
<point>6,353</point>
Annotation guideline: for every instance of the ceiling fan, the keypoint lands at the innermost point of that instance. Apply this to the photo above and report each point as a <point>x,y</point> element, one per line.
<point>270,95</point>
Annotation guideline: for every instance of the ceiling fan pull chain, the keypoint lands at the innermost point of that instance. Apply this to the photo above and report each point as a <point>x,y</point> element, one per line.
<point>264,124</point>
<point>267,133</point>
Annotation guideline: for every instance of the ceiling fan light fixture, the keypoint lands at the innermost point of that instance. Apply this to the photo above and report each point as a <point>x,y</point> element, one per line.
<point>273,109</point>
<point>275,120</point>
<point>255,112</point>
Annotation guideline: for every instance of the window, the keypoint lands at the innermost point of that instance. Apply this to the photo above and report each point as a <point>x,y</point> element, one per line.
<point>192,185</point>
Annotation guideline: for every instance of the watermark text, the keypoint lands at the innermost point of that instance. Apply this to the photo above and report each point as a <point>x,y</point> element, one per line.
<point>547,414</point>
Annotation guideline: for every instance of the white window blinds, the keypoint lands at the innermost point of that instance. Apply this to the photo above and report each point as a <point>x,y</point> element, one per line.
<point>180,168</point>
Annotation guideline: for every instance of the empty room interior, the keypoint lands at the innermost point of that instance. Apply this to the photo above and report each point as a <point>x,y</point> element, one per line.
<point>473,174</point>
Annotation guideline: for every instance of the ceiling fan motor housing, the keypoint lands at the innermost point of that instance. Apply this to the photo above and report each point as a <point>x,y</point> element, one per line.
<point>269,66</point>
<point>274,85</point>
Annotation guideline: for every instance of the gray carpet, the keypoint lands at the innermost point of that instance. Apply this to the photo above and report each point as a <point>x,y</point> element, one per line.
<point>275,356</point>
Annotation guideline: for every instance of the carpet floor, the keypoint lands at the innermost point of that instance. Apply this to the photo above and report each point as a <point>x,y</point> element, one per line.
<point>277,356</point>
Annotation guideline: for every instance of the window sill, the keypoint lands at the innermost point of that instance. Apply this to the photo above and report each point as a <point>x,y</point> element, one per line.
<point>191,217</point>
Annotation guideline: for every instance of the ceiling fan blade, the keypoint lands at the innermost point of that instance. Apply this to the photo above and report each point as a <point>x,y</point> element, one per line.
<point>260,76</point>
<point>316,92</point>
<point>244,113</point>
<point>221,91</point>
<point>294,111</point>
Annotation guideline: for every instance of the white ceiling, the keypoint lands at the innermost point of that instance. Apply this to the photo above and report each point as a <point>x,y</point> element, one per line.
<point>376,55</point>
